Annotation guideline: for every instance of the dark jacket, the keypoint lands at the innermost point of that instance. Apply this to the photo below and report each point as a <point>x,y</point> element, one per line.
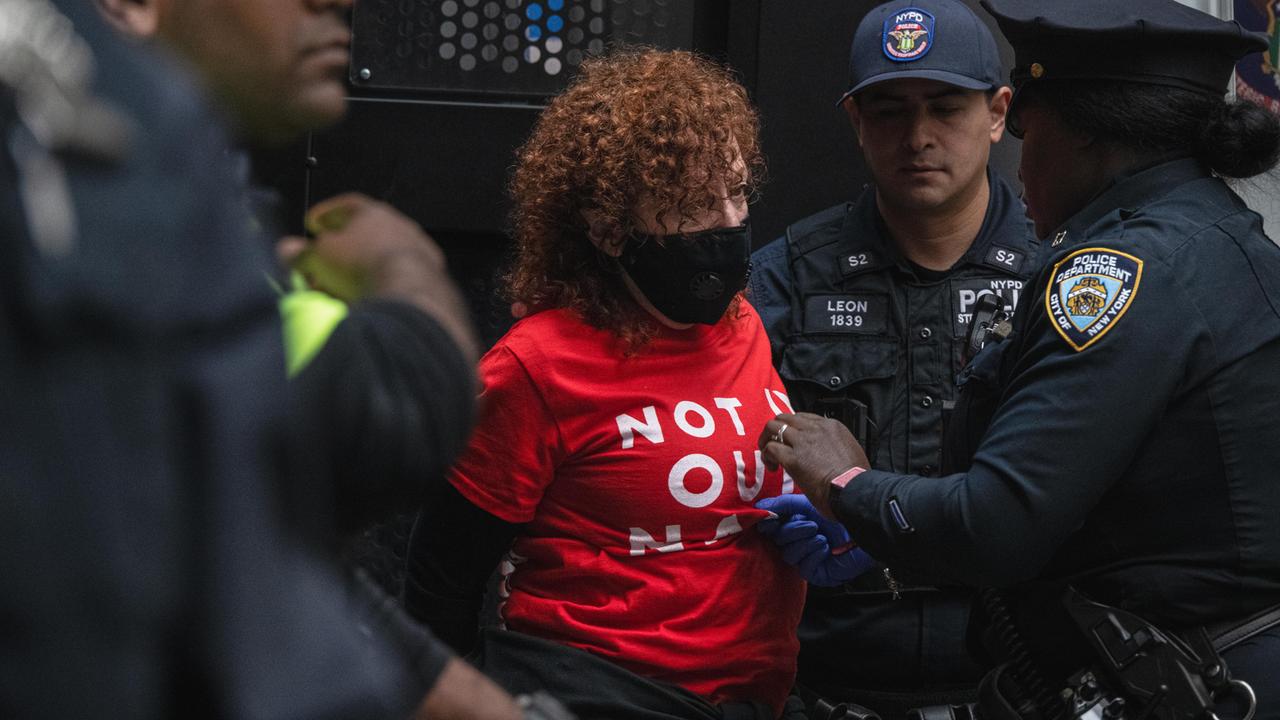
<point>1131,446</point>
<point>849,318</point>
<point>141,432</point>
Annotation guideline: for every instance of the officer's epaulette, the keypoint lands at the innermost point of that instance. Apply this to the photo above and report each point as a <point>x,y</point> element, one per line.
<point>819,229</point>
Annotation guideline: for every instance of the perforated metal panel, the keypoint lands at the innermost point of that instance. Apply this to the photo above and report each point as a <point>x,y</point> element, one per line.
<point>523,48</point>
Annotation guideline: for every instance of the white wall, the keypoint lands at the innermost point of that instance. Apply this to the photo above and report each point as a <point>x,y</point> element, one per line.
<point>1220,8</point>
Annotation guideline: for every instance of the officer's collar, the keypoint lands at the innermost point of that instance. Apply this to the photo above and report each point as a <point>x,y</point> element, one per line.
<point>860,240</point>
<point>871,236</point>
<point>1129,193</point>
<point>891,254</point>
<point>980,252</point>
<point>865,224</point>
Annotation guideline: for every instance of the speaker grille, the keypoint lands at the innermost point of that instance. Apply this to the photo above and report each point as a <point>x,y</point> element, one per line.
<point>518,48</point>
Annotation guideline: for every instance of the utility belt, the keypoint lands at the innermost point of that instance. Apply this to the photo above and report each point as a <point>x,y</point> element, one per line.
<point>1228,634</point>
<point>823,710</point>
<point>881,583</point>
<point>1137,670</point>
<point>1124,690</point>
<point>888,705</point>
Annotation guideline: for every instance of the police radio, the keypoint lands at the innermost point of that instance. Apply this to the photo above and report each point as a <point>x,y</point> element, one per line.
<point>990,324</point>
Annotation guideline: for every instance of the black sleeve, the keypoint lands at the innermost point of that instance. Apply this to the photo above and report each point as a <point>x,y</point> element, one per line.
<point>770,291</point>
<point>385,617</point>
<point>453,550</point>
<point>1069,424</point>
<point>384,407</point>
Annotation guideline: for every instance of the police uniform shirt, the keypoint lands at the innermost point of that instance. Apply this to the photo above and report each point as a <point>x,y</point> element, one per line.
<point>848,317</point>
<point>1132,449</point>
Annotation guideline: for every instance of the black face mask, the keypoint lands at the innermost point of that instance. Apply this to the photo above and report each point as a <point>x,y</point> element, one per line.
<point>690,278</point>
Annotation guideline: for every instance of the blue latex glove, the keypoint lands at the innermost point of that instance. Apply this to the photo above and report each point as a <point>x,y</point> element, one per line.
<point>806,539</point>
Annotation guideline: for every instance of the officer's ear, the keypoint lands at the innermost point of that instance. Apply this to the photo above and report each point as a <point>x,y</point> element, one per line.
<point>851,109</point>
<point>603,234</point>
<point>139,18</point>
<point>998,106</point>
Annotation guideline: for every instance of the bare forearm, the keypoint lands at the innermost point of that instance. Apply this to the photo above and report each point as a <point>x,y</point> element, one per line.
<point>462,693</point>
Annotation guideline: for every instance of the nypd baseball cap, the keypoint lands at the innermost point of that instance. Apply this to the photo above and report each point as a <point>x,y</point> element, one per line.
<point>931,39</point>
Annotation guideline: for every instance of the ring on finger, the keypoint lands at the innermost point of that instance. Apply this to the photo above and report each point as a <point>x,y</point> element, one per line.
<point>777,437</point>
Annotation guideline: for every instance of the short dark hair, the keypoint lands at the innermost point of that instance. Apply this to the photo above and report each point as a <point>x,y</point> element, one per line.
<point>1235,139</point>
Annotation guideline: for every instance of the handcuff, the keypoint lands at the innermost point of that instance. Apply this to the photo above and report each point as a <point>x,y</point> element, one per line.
<point>840,481</point>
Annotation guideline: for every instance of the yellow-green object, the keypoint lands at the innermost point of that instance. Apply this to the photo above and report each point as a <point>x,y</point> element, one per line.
<point>338,283</point>
<point>309,318</point>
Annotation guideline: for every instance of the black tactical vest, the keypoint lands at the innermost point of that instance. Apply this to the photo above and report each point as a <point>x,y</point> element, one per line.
<point>869,338</point>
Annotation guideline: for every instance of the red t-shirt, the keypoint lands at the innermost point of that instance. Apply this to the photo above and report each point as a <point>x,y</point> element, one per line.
<point>636,477</point>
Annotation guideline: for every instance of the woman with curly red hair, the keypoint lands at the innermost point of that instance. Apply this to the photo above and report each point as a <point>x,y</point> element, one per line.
<point>614,460</point>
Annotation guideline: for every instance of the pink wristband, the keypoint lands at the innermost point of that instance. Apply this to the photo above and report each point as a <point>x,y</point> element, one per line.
<point>840,481</point>
<point>843,478</point>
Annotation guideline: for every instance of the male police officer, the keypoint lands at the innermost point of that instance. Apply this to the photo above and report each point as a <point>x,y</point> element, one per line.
<point>868,305</point>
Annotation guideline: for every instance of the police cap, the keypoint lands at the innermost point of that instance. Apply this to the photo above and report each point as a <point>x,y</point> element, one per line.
<point>1156,42</point>
<point>939,40</point>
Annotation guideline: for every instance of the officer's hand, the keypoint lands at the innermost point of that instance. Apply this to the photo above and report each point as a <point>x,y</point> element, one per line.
<point>813,450</point>
<point>366,248</point>
<point>819,548</point>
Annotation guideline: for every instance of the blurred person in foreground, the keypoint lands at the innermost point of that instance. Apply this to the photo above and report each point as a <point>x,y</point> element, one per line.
<point>145,573</point>
<point>380,347</point>
<point>335,476</point>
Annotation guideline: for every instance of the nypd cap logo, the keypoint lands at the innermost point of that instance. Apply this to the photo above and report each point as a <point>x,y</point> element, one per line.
<point>1089,291</point>
<point>908,35</point>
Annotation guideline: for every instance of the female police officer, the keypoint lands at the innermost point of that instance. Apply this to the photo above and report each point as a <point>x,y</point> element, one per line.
<point>1123,434</point>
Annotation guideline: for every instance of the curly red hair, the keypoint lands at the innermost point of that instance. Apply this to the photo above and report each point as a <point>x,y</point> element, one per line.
<point>638,123</point>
